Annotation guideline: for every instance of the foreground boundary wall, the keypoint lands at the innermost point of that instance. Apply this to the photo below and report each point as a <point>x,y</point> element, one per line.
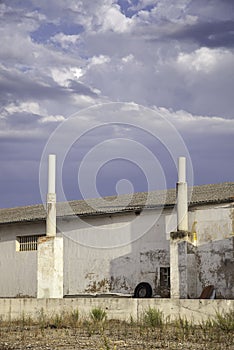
<point>125,309</point>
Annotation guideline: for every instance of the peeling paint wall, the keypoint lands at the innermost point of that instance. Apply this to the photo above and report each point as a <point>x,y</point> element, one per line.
<point>179,268</point>
<point>120,268</point>
<point>214,249</point>
<point>210,258</point>
<point>50,267</point>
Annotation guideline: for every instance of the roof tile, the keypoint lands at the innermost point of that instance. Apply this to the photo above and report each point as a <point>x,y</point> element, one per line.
<point>214,193</point>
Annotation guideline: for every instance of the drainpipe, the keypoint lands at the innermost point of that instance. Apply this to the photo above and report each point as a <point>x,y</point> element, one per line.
<point>182,196</point>
<point>51,198</point>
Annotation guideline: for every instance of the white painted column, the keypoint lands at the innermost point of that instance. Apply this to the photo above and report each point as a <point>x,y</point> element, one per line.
<point>178,241</point>
<point>182,196</point>
<point>51,198</point>
<point>50,267</point>
<point>178,268</point>
<point>50,247</point>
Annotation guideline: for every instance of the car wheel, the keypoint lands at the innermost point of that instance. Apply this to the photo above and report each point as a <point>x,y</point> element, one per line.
<point>143,290</point>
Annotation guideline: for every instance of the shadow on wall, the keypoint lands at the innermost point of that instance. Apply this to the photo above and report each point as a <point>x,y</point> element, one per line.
<point>145,271</point>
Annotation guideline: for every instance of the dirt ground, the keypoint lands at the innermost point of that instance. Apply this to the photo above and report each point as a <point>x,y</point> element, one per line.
<point>113,336</point>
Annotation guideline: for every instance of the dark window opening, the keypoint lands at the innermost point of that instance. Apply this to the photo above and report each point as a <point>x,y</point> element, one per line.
<point>165,277</point>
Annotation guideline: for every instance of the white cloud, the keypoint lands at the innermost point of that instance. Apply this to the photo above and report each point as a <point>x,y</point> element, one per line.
<point>101,59</point>
<point>128,58</point>
<point>193,124</point>
<point>174,12</point>
<point>204,59</point>
<point>52,118</point>
<point>65,40</point>
<point>62,76</point>
<point>161,10</point>
<point>113,19</point>
<point>28,107</point>
<point>81,101</point>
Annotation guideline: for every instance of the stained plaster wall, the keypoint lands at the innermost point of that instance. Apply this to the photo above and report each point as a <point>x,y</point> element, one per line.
<point>50,267</point>
<point>125,309</point>
<point>18,270</point>
<point>114,259</point>
<point>213,255</point>
<point>121,267</point>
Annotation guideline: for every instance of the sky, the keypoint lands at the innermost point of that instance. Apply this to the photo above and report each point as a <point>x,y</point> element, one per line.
<point>117,89</point>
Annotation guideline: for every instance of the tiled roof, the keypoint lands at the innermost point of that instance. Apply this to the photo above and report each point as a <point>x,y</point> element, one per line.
<point>215,193</point>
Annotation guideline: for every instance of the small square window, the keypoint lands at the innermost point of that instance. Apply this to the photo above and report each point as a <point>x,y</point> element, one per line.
<point>27,243</point>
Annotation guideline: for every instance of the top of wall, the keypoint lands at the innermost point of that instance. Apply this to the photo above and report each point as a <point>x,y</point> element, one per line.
<point>198,195</point>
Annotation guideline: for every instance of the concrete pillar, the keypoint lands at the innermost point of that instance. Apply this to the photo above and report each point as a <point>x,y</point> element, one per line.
<point>50,267</point>
<point>179,239</point>
<point>50,247</point>
<point>182,196</point>
<point>51,198</point>
<point>178,268</point>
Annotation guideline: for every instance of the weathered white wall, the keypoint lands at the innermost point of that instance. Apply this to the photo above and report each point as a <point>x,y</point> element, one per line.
<point>112,265</point>
<point>124,309</point>
<point>214,254</point>
<point>18,270</point>
<point>179,269</point>
<point>88,269</point>
<point>50,267</point>
<point>120,268</point>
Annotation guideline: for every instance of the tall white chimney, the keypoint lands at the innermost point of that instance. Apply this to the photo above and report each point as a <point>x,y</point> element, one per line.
<point>182,196</point>
<point>50,248</point>
<point>51,197</point>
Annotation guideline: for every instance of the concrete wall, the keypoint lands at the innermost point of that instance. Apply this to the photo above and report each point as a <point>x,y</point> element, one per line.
<point>116,308</point>
<point>50,267</point>
<point>109,256</point>
<point>213,254</point>
<point>115,258</point>
<point>18,270</point>
<point>97,261</point>
<point>115,253</point>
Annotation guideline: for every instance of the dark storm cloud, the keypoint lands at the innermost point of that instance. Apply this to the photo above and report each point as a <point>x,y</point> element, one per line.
<point>20,161</point>
<point>58,57</point>
<point>214,34</point>
<point>16,85</point>
<point>22,120</point>
<point>81,89</point>
<point>24,127</point>
<point>211,10</point>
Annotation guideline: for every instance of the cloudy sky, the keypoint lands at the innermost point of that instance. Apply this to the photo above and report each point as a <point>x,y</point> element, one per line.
<point>168,64</point>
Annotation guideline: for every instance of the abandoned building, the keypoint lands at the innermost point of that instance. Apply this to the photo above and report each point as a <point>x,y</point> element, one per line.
<point>159,244</point>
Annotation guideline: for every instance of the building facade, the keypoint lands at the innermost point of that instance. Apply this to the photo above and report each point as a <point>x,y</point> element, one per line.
<point>120,245</point>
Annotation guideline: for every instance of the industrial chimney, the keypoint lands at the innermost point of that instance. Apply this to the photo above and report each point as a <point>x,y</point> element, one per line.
<point>51,198</point>
<point>182,196</point>
<point>179,238</point>
<point>50,247</point>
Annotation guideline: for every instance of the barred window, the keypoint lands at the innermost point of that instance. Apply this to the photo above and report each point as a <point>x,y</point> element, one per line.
<point>165,277</point>
<point>27,243</point>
